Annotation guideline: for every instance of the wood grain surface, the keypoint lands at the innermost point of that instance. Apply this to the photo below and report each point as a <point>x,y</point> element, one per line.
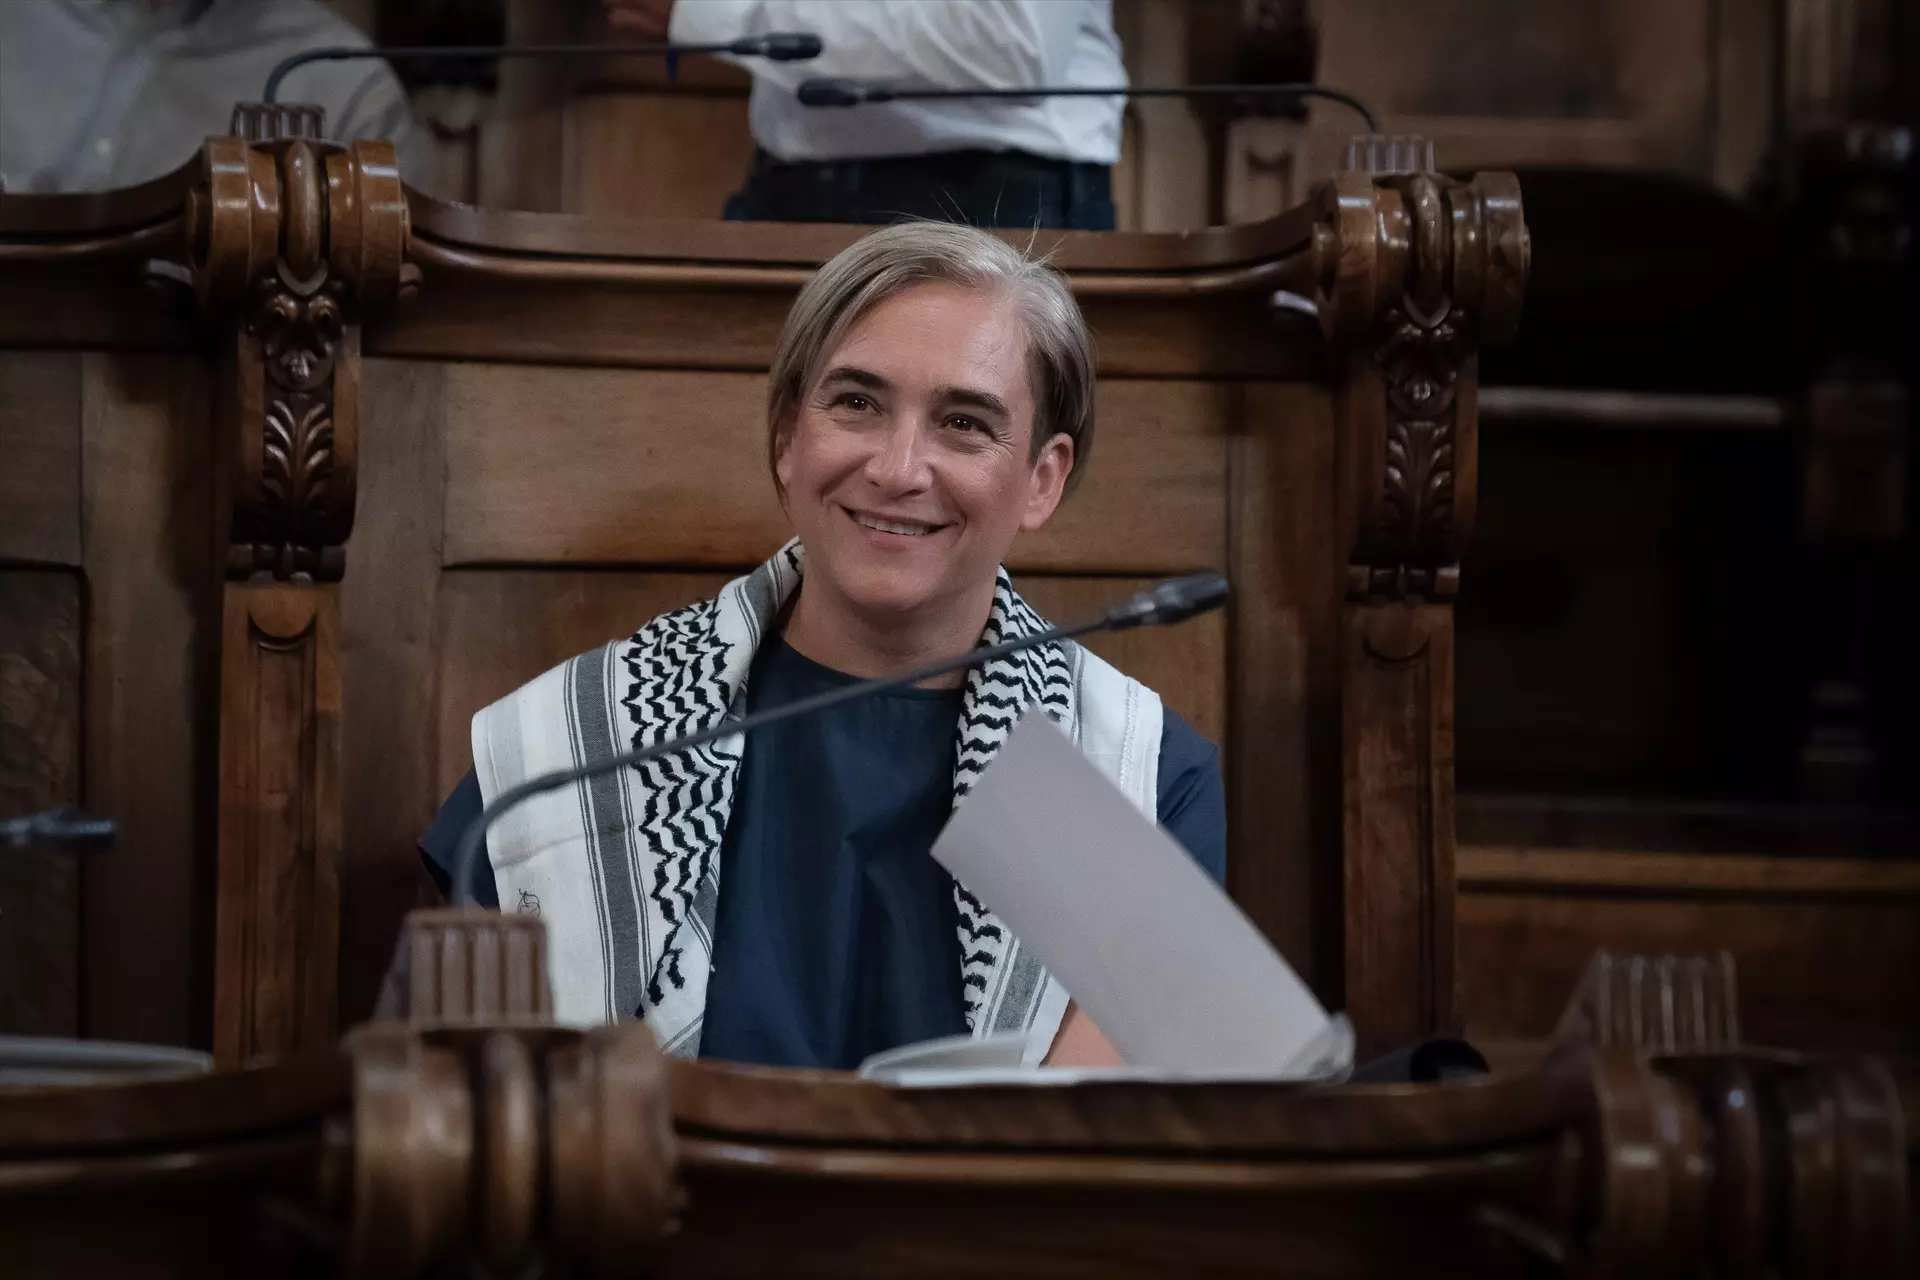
<point>1397,748</point>
<point>40,700</point>
<point>1286,564</point>
<point>40,443</point>
<point>389,668</point>
<point>277,908</point>
<point>152,615</point>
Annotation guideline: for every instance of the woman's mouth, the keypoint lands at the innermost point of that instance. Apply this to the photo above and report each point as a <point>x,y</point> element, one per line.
<point>895,525</point>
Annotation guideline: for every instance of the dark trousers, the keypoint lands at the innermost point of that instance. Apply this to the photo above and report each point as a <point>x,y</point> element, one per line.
<point>979,188</point>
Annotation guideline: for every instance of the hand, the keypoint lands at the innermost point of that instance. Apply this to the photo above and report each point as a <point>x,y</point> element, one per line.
<point>638,19</point>
<point>1079,1043</point>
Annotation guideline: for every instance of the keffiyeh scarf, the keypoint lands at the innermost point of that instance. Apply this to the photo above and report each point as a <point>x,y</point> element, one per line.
<point>625,868</point>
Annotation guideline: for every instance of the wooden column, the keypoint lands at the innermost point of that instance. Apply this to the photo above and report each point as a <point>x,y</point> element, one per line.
<point>1417,270</point>
<point>291,241</point>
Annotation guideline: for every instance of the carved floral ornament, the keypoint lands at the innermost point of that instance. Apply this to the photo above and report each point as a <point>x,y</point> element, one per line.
<point>299,325</point>
<point>1416,270</point>
<point>291,241</point>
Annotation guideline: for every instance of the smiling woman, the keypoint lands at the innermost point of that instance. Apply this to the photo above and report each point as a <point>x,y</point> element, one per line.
<point>930,396</point>
<point>774,900</point>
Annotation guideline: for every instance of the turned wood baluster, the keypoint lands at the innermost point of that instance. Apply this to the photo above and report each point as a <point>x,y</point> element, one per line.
<point>1802,1159</point>
<point>518,1149</point>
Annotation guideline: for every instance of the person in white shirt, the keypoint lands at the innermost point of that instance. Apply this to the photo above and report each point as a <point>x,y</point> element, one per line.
<point>98,94</point>
<point>989,162</point>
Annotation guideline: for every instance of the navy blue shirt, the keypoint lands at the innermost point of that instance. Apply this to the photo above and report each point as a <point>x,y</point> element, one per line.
<point>835,935</point>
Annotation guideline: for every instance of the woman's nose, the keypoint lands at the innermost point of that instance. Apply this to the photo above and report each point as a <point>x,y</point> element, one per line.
<point>899,460</point>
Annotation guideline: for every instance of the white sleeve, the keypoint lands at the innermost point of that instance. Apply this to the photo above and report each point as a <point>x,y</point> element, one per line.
<point>958,44</point>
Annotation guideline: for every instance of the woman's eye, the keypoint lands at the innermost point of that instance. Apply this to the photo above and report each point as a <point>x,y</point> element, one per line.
<point>855,401</point>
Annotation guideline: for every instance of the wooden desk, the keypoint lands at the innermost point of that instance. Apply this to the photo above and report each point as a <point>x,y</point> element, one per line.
<point>413,1149</point>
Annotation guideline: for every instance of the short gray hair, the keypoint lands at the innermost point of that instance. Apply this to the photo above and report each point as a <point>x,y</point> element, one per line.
<point>896,258</point>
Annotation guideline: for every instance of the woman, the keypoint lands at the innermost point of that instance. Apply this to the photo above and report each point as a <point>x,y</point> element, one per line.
<point>773,900</point>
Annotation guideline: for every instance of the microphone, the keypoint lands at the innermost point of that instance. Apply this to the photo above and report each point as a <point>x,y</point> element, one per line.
<point>1174,600</point>
<point>840,91</point>
<point>777,46</point>
<point>1168,602</point>
<point>66,828</point>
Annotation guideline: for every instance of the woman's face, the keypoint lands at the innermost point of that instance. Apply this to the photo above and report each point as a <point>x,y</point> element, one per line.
<point>909,467</point>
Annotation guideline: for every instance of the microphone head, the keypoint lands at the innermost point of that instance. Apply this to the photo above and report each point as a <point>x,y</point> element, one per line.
<point>1174,600</point>
<point>780,46</point>
<point>838,93</point>
<point>67,829</point>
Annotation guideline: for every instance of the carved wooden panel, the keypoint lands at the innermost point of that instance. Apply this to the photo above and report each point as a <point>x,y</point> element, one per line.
<point>40,647</point>
<point>152,618</point>
<point>40,449</point>
<point>655,464</point>
<point>278,893</point>
<point>669,467</point>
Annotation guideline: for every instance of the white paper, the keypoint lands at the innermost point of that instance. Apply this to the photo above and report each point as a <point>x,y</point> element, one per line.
<point>962,1061</point>
<point>1156,954</point>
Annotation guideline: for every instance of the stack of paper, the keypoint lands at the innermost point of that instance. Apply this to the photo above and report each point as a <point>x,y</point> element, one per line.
<point>1155,953</point>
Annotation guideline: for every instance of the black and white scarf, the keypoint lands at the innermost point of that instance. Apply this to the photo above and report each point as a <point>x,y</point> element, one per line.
<point>625,869</point>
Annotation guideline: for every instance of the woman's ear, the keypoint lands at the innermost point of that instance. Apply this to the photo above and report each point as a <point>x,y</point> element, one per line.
<point>782,453</point>
<point>1048,481</point>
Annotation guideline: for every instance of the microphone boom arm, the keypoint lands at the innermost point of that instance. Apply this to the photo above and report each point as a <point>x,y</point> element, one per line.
<point>1168,602</point>
<point>66,828</point>
<point>843,92</point>
<point>778,46</point>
